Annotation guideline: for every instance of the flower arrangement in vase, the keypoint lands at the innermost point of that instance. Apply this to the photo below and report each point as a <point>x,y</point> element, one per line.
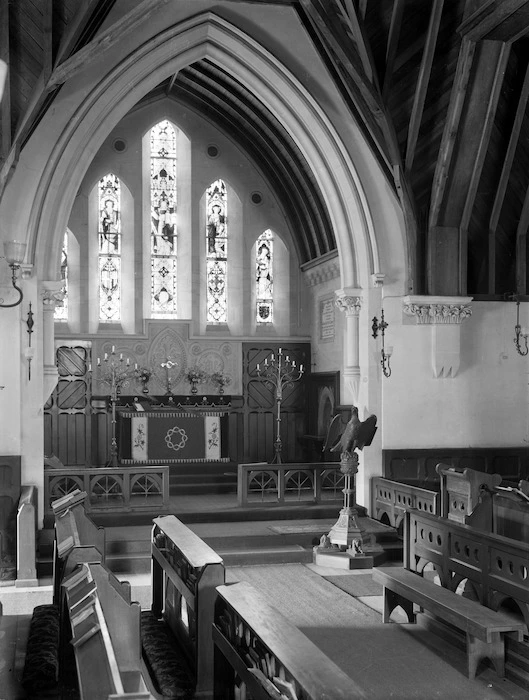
<point>196,376</point>
<point>143,375</point>
<point>221,380</point>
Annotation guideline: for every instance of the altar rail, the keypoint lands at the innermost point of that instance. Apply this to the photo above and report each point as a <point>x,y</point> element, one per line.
<point>27,537</point>
<point>496,567</point>
<point>303,482</point>
<point>259,654</point>
<point>118,489</point>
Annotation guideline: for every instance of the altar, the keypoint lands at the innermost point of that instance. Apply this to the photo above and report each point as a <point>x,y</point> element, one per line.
<point>172,436</point>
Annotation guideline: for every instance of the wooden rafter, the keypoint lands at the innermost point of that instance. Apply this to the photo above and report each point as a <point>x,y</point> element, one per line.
<point>486,130</point>
<point>423,81</point>
<point>47,38</point>
<point>509,155</point>
<point>446,150</point>
<point>349,15</point>
<point>5,112</point>
<point>75,29</point>
<point>489,16</point>
<point>521,247</point>
<point>393,42</point>
<point>104,41</point>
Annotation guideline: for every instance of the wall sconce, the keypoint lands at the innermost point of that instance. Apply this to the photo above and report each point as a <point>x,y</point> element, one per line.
<point>520,332</point>
<point>14,252</point>
<point>385,354</point>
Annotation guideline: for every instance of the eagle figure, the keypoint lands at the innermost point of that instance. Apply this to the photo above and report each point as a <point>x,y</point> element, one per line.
<point>357,433</point>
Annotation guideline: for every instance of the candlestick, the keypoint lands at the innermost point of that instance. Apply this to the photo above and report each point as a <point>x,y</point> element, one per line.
<point>278,374</point>
<point>115,373</point>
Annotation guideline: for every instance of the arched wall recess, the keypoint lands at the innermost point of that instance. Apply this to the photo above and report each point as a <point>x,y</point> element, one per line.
<point>117,92</point>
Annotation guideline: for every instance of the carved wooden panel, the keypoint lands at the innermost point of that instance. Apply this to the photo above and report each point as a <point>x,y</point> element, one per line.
<point>260,406</point>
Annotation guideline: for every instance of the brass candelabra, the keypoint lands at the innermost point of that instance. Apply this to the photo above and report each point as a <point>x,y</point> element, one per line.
<point>114,371</point>
<point>279,372</point>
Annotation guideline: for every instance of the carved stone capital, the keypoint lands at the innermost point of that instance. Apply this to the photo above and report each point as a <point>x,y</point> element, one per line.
<point>430,310</point>
<point>51,293</point>
<point>348,300</point>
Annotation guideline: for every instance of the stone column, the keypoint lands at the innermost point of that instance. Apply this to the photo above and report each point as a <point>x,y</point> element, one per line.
<point>51,292</point>
<point>350,301</point>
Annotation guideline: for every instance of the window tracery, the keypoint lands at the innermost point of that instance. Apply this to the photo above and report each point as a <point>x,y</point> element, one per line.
<point>61,310</point>
<point>109,261</point>
<point>264,281</point>
<point>163,221</point>
<point>216,253</point>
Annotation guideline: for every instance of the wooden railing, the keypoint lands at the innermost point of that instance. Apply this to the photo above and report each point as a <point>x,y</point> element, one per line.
<point>111,488</point>
<point>27,537</point>
<point>261,483</point>
<point>259,654</point>
<point>496,567</point>
<point>392,499</point>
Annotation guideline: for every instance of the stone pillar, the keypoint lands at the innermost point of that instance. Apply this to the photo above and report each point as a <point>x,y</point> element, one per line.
<point>51,293</point>
<point>350,301</point>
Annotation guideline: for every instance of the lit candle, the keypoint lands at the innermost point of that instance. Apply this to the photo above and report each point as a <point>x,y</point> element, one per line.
<point>266,361</point>
<point>258,367</point>
<point>135,365</point>
<point>293,363</point>
<point>99,362</point>
<point>89,366</point>
<point>279,351</point>
<point>106,356</point>
<point>128,361</point>
<point>120,355</point>
<point>113,349</point>
<point>288,358</point>
<point>272,357</point>
<point>301,368</point>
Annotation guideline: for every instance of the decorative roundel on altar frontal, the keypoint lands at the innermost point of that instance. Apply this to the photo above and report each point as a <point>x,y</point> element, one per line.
<point>176,438</point>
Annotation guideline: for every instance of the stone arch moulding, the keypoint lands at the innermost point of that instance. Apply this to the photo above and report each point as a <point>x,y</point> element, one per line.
<point>109,100</point>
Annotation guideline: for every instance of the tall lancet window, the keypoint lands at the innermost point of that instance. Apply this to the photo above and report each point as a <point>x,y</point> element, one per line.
<point>61,312</point>
<point>216,255</point>
<point>163,221</point>
<point>264,280</point>
<point>109,248</point>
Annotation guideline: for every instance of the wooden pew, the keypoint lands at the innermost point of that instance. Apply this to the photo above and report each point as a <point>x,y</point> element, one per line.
<point>260,655</point>
<point>77,538</point>
<point>104,629</point>
<point>185,574</point>
<point>457,552</point>
<point>27,537</point>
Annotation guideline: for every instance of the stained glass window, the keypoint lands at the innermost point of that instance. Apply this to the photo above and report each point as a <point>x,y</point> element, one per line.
<point>61,308</point>
<point>109,248</point>
<point>216,252</point>
<point>264,281</point>
<point>163,221</point>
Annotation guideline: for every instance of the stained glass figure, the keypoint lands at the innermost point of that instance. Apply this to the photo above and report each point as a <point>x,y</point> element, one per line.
<point>109,263</point>
<point>264,282</point>
<point>61,308</point>
<point>163,221</point>
<point>216,256</point>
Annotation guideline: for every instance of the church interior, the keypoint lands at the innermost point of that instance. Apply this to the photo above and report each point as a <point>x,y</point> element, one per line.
<point>264,323</point>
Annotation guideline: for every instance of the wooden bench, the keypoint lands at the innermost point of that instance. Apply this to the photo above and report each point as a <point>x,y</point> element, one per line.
<point>185,574</point>
<point>484,628</point>
<point>260,655</point>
